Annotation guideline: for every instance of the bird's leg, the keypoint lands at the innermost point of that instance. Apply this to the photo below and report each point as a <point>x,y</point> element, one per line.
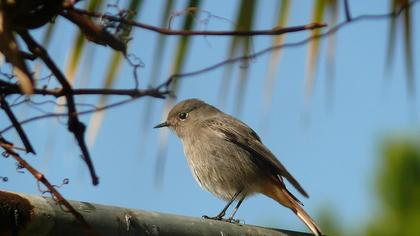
<point>223,212</point>
<point>231,219</point>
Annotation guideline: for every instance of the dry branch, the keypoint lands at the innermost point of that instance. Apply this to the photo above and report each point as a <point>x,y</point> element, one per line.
<point>330,31</point>
<point>74,125</point>
<point>5,106</point>
<point>9,88</point>
<point>166,31</point>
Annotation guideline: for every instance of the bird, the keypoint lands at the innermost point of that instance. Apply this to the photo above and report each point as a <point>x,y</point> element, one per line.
<point>228,159</point>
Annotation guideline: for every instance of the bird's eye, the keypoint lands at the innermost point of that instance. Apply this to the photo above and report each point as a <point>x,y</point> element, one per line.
<point>183,115</point>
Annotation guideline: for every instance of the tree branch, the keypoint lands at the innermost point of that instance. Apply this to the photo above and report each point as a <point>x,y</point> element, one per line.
<point>347,10</point>
<point>332,30</point>
<point>9,88</point>
<point>157,90</point>
<point>74,125</point>
<point>5,106</point>
<point>51,115</point>
<point>165,31</point>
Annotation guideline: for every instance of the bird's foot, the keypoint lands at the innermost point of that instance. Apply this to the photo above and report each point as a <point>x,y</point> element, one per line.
<point>218,217</point>
<point>231,220</point>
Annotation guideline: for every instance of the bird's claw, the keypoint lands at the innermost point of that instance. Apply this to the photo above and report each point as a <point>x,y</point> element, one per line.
<point>233,221</point>
<point>219,217</point>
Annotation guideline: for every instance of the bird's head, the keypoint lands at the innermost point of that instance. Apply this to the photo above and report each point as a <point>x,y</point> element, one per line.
<point>186,115</point>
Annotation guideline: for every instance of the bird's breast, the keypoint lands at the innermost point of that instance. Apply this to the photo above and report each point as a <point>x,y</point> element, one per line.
<point>220,167</point>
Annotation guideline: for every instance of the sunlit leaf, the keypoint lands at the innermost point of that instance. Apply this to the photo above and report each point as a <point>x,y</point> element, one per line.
<point>181,53</point>
<point>113,68</point>
<point>408,46</point>
<point>391,39</point>
<point>332,10</point>
<point>162,148</point>
<point>79,44</point>
<point>282,15</point>
<point>24,78</point>
<point>179,60</point>
<point>313,48</point>
<point>243,46</point>
<point>97,117</point>
<point>406,20</point>
<point>75,56</point>
<point>46,39</point>
<point>245,22</point>
<point>227,74</point>
<point>159,50</point>
<point>9,48</point>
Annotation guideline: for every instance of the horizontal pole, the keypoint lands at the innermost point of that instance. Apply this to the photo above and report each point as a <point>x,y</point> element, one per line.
<point>22,214</point>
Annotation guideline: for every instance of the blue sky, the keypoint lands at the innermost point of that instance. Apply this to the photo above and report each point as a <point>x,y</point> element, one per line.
<point>331,150</point>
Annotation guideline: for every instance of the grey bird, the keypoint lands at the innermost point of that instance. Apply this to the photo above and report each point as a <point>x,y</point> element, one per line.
<point>228,159</point>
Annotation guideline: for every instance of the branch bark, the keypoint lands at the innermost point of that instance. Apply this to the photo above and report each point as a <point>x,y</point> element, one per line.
<point>48,219</point>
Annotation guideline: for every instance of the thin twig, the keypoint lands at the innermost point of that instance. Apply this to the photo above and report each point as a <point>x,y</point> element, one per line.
<point>347,10</point>
<point>332,30</point>
<point>74,125</point>
<point>215,66</point>
<point>165,31</point>
<point>27,56</point>
<point>8,147</point>
<point>9,88</point>
<point>85,112</point>
<point>5,106</point>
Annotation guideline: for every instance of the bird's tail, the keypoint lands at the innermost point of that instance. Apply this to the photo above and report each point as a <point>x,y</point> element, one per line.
<point>298,210</point>
<point>285,198</point>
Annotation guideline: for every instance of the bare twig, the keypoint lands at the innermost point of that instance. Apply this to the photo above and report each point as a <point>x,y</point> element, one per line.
<point>85,112</point>
<point>347,10</point>
<point>74,125</point>
<point>8,147</point>
<point>165,31</point>
<point>31,102</point>
<point>159,90</point>
<point>5,106</point>
<point>153,92</point>
<point>54,115</point>
<point>332,30</point>
<point>27,56</point>
<point>9,88</point>
<point>136,63</point>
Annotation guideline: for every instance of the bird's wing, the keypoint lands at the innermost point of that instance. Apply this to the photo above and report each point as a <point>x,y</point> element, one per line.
<point>246,138</point>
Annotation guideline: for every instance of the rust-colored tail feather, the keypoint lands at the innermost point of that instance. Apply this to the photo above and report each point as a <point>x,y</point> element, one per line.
<point>285,198</point>
<point>307,220</point>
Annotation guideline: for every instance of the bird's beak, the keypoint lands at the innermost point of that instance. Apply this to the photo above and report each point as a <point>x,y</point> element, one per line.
<point>164,124</point>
